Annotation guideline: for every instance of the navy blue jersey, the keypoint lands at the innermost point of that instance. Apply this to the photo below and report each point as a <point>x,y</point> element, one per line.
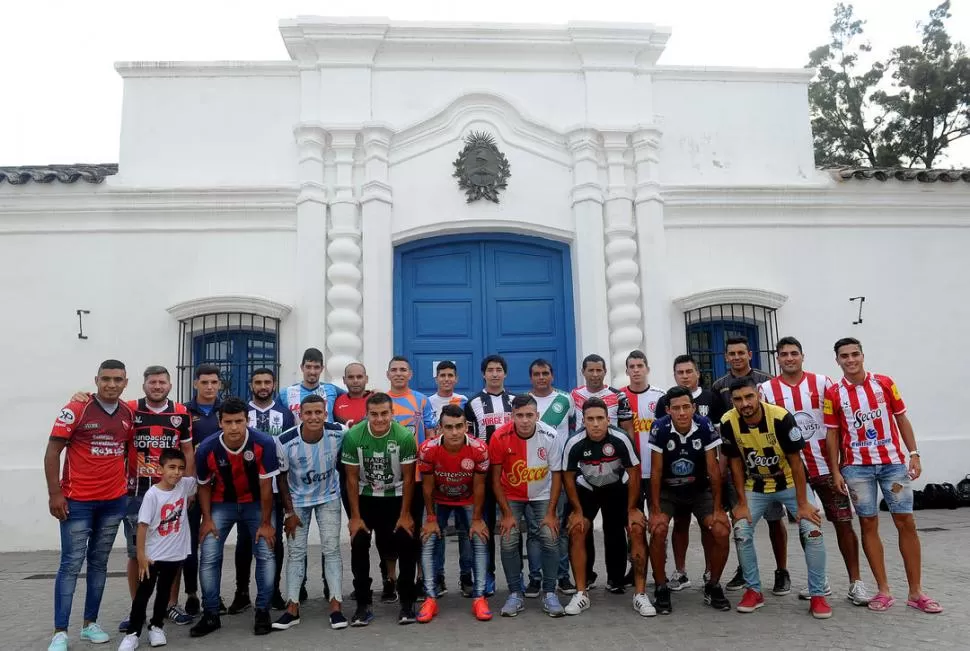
<point>684,467</point>
<point>273,420</point>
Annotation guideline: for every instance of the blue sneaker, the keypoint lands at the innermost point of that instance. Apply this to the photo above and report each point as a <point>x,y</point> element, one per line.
<point>513,605</point>
<point>123,626</point>
<point>489,584</point>
<point>58,642</point>
<point>178,616</point>
<point>94,634</point>
<point>550,604</point>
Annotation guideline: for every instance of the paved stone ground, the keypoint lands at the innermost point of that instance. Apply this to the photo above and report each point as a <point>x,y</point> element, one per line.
<point>25,610</point>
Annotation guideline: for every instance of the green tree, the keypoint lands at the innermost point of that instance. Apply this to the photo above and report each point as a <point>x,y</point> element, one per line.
<point>930,97</point>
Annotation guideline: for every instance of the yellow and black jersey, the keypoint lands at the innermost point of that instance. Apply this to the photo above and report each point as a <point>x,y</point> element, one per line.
<point>763,447</point>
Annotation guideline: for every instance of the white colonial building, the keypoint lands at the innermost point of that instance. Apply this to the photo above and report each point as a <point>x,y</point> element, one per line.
<point>259,208</point>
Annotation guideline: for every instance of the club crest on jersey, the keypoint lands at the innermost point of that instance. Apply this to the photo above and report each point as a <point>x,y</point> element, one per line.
<point>795,435</point>
<point>703,410</point>
<point>176,421</point>
<point>541,453</point>
<point>696,443</point>
<point>392,447</point>
<point>558,407</point>
<point>467,464</point>
<point>66,416</point>
<point>682,467</point>
<point>248,455</point>
<point>608,449</point>
<point>653,407</point>
<point>671,445</point>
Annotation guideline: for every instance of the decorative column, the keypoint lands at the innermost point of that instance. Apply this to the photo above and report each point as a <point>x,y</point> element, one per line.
<point>652,245</point>
<point>588,247</point>
<point>311,242</point>
<point>344,295</point>
<point>376,205</point>
<point>622,271</point>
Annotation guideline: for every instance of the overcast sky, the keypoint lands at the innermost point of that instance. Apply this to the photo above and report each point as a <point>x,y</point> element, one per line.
<point>60,98</point>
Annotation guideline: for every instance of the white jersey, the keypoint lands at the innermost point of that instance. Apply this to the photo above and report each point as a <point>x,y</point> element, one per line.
<point>804,401</point>
<point>557,410</point>
<point>437,402</point>
<point>167,515</point>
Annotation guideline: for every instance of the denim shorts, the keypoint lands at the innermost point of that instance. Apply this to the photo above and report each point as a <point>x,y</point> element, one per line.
<point>131,524</point>
<point>893,481</point>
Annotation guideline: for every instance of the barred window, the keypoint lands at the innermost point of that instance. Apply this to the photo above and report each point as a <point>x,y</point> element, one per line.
<point>708,329</point>
<point>236,342</point>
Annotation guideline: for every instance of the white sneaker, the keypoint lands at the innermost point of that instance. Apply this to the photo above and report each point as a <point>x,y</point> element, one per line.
<point>641,604</point>
<point>805,595</point>
<point>577,604</point>
<point>859,594</point>
<point>129,643</point>
<point>58,642</point>
<point>156,637</point>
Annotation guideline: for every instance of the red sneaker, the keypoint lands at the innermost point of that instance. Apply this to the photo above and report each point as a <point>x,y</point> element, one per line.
<point>820,608</point>
<point>428,610</point>
<point>751,601</point>
<point>481,610</point>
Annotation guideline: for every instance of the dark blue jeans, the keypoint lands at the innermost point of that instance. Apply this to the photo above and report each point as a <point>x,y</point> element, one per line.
<point>225,516</point>
<point>88,532</point>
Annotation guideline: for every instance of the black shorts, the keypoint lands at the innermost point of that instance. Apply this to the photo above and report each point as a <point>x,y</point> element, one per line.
<point>701,505</point>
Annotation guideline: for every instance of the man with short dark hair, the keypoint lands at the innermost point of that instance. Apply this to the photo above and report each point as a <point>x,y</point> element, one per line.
<point>803,394</point>
<point>594,372</point>
<point>865,417</point>
<point>739,356</point>
<point>312,367</point>
<point>445,378</point>
<point>686,481</point>
<point>526,457</point>
<point>379,456</point>
<point>764,445</point>
<point>89,497</point>
<point>235,470</point>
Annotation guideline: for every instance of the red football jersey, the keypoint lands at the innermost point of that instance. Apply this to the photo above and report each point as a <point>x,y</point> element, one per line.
<point>454,472</point>
<point>97,447</point>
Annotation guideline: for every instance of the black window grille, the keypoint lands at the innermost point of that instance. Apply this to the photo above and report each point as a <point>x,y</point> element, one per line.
<point>237,342</point>
<point>708,329</point>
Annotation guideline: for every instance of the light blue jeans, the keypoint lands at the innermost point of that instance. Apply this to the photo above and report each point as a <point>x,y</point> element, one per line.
<point>328,522</point>
<point>533,548</point>
<point>533,511</point>
<point>225,515</point>
<point>429,560</point>
<point>812,539</point>
<point>862,482</point>
<point>88,532</point>
<point>465,555</point>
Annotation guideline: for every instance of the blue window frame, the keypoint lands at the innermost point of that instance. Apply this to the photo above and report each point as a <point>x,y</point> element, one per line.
<point>238,343</point>
<point>709,328</point>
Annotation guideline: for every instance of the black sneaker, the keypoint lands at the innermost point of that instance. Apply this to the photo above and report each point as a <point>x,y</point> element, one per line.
<point>661,600</point>
<point>628,581</point>
<point>285,621</point>
<point>362,616</point>
<point>206,625</point>
<point>407,615</point>
<point>782,583</point>
<point>466,585</point>
<point>714,597</point>
<point>566,586</point>
<point>614,588</point>
<point>304,595</point>
<point>591,580</point>
<point>737,581</point>
<point>240,603</point>
<point>337,621</point>
<point>192,606</point>
<point>223,611</point>
<point>420,592</point>
<point>263,625</point>
<point>389,595</point>
<point>533,589</point>
<point>277,602</point>
<point>440,586</point>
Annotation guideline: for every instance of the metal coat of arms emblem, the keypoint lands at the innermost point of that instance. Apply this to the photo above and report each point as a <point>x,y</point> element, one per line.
<point>481,169</point>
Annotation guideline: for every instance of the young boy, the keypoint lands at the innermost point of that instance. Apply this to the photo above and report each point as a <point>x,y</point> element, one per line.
<point>163,544</point>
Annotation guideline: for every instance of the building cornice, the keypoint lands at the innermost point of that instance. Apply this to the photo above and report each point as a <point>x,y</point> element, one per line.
<point>245,303</point>
<point>731,295</point>
<point>129,69</point>
<point>733,74</point>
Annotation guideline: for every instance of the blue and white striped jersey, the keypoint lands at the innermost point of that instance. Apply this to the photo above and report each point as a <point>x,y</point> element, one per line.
<point>293,395</point>
<point>311,468</point>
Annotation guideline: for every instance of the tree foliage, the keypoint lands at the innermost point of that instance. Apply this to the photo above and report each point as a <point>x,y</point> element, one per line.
<point>905,110</point>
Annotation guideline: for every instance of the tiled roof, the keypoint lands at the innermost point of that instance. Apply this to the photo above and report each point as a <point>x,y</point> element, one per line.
<point>900,174</point>
<point>63,173</point>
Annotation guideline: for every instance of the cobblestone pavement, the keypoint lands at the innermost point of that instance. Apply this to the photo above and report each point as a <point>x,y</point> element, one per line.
<point>26,605</point>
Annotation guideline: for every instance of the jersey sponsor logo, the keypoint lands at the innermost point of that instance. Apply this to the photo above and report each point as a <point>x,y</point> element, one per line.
<point>489,420</point>
<point>755,460</point>
<point>153,442</point>
<point>587,453</point>
<point>313,477</point>
<point>137,420</point>
<point>682,467</point>
<point>467,464</point>
<point>827,407</point>
<point>808,425</point>
<point>91,426</point>
<point>66,416</point>
<point>523,474</point>
<point>696,443</point>
<point>609,450</point>
<point>642,424</point>
<point>176,421</point>
<point>795,435</point>
<point>863,418</point>
<point>248,455</point>
<point>895,391</point>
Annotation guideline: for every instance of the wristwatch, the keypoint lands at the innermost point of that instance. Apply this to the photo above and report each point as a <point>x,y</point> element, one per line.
<point>914,453</point>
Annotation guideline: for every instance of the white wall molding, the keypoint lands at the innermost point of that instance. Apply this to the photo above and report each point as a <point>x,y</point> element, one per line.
<point>249,304</point>
<point>129,69</point>
<point>728,295</point>
<point>732,74</point>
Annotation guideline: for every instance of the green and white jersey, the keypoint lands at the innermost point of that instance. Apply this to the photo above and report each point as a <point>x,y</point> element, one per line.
<point>557,411</point>
<point>380,458</point>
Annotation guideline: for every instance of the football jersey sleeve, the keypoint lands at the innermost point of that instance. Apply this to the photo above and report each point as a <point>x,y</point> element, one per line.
<point>570,459</point>
<point>426,456</point>
<point>409,449</point>
<point>67,420</point>
<point>496,451</point>
<point>709,435</point>
<point>656,439</point>
<point>481,458</point>
<point>281,456</point>
<point>628,456</point>
<point>832,408</point>
<point>269,461</point>
<point>148,512</point>
<point>728,441</point>
<point>289,422</point>
<point>789,435</point>
<point>203,472</point>
<point>428,415</point>
<point>893,397</point>
<point>472,420</point>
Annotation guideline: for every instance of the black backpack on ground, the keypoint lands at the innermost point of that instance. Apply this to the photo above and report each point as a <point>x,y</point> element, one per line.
<point>963,491</point>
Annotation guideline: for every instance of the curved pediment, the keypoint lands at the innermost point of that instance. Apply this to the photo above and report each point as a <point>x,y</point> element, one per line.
<point>731,295</point>
<point>243,303</point>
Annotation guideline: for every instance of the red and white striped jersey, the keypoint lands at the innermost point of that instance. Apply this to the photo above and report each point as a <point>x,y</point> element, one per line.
<point>616,404</point>
<point>644,408</point>
<point>865,415</point>
<point>804,401</point>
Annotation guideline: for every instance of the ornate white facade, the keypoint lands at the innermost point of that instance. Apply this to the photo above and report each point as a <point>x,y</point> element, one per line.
<point>282,189</point>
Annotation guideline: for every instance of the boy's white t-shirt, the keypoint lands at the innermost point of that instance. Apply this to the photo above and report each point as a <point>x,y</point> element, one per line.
<point>167,515</point>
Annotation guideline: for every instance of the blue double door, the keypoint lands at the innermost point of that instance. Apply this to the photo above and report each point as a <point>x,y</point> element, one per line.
<point>464,297</point>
